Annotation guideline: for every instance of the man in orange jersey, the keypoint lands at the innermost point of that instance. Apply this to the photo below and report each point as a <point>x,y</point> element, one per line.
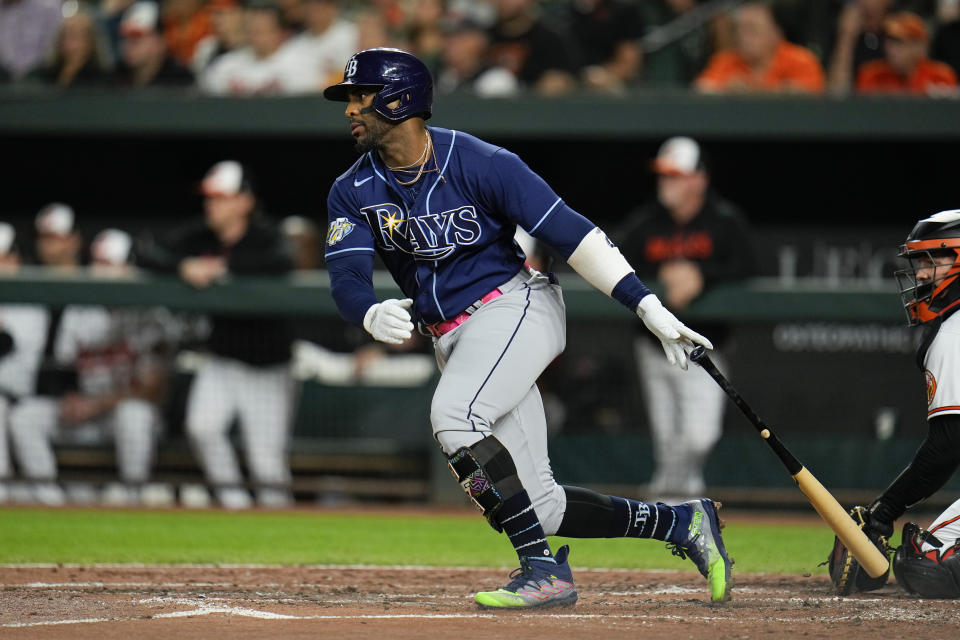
<point>761,60</point>
<point>905,67</point>
<point>185,24</point>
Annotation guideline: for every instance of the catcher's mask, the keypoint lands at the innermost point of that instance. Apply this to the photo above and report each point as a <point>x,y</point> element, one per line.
<point>932,251</point>
<point>395,75</point>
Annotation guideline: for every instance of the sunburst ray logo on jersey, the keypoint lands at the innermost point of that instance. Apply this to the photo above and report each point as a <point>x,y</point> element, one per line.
<point>339,229</point>
<point>390,222</point>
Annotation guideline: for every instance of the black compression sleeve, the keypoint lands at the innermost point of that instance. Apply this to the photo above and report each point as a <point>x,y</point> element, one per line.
<point>933,464</point>
<point>589,514</point>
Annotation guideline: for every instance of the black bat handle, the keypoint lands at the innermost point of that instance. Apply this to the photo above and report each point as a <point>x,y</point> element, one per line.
<point>699,356</point>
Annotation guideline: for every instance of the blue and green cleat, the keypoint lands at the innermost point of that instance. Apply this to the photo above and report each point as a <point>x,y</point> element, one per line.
<point>702,543</point>
<point>536,584</point>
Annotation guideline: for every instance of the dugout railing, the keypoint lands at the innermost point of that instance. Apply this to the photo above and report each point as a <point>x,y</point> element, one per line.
<point>827,362</point>
<point>637,114</point>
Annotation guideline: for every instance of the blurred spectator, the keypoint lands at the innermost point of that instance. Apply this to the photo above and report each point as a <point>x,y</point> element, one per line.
<point>425,33</point>
<point>228,34</point>
<point>304,240</point>
<point>27,31</point>
<point>689,239</point>
<point>9,254</point>
<point>538,55</point>
<point>246,374</point>
<point>100,381</point>
<point>607,35</point>
<point>677,58</point>
<point>144,61</point>
<point>58,244</point>
<point>811,24</point>
<point>946,41</point>
<point>266,66</point>
<point>22,331</point>
<point>393,16</point>
<point>464,67</point>
<point>859,40</point>
<point>762,60</point>
<point>372,31</point>
<point>185,24</point>
<point>327,42</point>
<point>80,57</point>
<point>906,67</point>
<point>110,253</point>
<point>294,14</point>
<point>110,13</point>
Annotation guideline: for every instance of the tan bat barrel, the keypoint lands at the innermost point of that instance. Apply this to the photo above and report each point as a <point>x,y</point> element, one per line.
<point>869,557</point>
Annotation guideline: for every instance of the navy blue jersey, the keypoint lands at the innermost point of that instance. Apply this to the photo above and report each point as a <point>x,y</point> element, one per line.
<point>448,241</point>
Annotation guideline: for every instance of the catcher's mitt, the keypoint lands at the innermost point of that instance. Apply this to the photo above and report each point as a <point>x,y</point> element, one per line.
<point>845,572</point>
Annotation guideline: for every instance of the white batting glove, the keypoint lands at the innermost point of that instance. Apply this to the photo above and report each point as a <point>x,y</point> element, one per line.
<point>675,336</point>
<point>389,321</point>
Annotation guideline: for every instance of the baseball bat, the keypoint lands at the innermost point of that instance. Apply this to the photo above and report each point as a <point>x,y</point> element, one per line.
<point>869,557</point>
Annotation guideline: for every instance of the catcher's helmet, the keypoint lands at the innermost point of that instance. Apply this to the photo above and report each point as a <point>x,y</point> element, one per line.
<point>394,74</point>
<point>931,238</point>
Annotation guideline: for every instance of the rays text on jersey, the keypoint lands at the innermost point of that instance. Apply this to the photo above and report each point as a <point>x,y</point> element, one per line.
<point>431,236</point>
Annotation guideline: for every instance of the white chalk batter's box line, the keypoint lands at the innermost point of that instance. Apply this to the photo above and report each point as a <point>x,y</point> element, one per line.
<point>897,614</point>
<point>638,591</point>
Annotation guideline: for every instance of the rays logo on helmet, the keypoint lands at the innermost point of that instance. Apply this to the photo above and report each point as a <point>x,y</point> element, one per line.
<point>351,69</point>
<point>339,229</point>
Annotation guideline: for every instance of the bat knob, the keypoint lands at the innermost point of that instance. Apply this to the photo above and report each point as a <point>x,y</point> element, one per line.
<point>698,354</point>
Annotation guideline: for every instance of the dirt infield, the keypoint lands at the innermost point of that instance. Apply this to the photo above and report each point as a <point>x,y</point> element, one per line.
<point>106,602</point>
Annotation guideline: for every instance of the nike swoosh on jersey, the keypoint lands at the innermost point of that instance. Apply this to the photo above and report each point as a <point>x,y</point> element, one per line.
<point>357,183</point>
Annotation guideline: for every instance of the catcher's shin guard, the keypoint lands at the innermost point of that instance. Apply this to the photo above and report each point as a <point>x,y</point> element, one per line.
<point>845,572</point>
<point>931,574</point>
<point>487,474</point>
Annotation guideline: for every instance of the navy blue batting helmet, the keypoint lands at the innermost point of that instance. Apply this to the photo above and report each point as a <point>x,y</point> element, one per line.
<point>395,75</point>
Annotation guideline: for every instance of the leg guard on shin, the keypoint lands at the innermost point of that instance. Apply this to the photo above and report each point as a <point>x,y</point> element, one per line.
<point>934,574</point>
<point>487,474</point>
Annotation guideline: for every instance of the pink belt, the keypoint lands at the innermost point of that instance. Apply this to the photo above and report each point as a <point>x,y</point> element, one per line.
<point>437,329</point>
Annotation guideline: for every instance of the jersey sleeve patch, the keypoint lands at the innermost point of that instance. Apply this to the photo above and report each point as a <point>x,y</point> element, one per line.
<point>931,386</point>
<point>338,230</point>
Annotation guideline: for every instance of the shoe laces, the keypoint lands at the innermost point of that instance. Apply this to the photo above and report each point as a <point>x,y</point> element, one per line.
<point>524,574</point>
<point>677,549</point>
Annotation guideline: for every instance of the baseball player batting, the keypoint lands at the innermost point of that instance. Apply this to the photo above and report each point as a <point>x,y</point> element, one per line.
<point>440,208</point>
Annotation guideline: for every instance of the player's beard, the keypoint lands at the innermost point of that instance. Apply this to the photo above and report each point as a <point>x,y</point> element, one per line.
<point>374,132</point>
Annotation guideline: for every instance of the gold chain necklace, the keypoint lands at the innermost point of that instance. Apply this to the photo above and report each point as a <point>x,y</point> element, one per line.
<point>420,163</point>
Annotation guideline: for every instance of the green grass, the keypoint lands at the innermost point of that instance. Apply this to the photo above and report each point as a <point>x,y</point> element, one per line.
<point>107,536</point>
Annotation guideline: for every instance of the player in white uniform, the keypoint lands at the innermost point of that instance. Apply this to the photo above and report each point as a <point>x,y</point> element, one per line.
<point>23,328</point>
<point>927,562</point>
<point>107,382</point>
